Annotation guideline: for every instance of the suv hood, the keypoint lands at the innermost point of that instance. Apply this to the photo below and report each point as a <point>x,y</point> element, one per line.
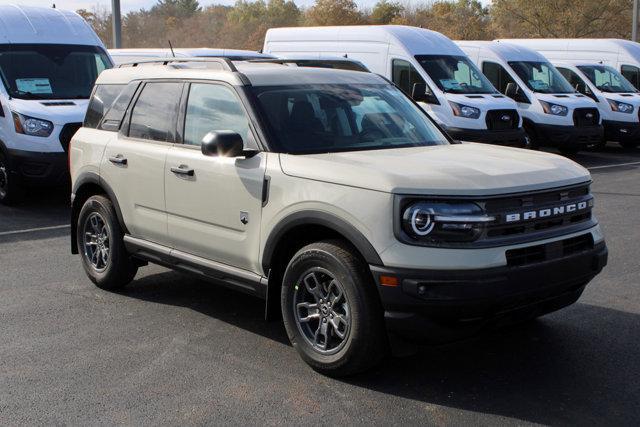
<point>460,169</point>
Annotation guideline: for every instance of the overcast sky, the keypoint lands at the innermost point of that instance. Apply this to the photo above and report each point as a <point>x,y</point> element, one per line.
<point>129,5</point>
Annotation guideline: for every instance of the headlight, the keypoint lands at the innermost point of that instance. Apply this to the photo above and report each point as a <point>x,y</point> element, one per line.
<point>465,111</point>
<point>435,223</point>
<point>620,107</point>
<point>554,109</point>
<point>31,126</point>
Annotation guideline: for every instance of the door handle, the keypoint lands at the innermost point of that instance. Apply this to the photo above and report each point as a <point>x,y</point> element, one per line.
<point>182,170</point>
<point>118,160</point>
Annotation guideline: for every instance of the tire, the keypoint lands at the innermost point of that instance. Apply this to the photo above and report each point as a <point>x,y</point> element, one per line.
<point>98,228</point>
<point>10,190</point>
<point>532,140</point>
<point>356,314</point>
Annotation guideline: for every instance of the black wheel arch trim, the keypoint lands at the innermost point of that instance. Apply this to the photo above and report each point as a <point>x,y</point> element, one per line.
<point>314,217</point>
<point>84,179</point>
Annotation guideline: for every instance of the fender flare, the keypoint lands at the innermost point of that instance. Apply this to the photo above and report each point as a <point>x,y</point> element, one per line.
<point>314,217</point>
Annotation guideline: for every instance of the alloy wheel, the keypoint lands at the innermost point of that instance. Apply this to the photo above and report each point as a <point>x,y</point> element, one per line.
<point>96,241</point>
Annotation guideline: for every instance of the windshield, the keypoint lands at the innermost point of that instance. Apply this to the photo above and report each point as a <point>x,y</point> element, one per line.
<point>324,118</point>
<point>50,71</point>
<point>455,74</point>
<point>607,79</point>
<point>541,77</point>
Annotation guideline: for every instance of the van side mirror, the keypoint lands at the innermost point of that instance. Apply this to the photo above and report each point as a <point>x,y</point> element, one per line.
<point>582,88</point>
<point>421,92</point>
<point>224,143</point>
<point>513,91</point>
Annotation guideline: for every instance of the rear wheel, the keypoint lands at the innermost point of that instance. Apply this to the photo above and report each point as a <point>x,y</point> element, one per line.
<point>101,246</point>
<point>331,310</point>
<point>10,190</point>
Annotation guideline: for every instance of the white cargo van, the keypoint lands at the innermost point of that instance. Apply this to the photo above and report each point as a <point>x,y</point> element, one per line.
<point>49,60</point>
<point>553,112</point>
<point>122,56</point>
<point>424,64</point>
<point>623,55</point>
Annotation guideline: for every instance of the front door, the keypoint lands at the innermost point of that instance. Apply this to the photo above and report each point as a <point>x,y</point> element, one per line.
<point>214,204</point>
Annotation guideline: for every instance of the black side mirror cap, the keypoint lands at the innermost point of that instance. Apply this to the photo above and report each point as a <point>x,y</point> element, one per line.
<point>420,92</point>
<point>224,143</point>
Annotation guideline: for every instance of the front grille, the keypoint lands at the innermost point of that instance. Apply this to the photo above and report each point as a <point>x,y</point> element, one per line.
<point>538,212</point>
<point>549,251</point>
<point>586,117</point>
<point>67,133</point>
<point>502,119</point>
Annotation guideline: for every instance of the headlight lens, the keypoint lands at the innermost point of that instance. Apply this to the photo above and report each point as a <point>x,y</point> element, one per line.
<point>31,126</point>
<point>435,223</point>
<point>554,109</point>
<point>620,107</point>
<point>465,111</point>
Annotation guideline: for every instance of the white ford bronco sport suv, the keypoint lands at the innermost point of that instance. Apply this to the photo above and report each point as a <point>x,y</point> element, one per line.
<point>331,195</point>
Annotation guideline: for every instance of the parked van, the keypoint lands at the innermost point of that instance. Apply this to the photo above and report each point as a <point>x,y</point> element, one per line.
<point>617,99</point>
<point>122,56</point>
<point>49,60</point>
<point>623,55</point>
<point>553,112</point>
<point>425,65</point>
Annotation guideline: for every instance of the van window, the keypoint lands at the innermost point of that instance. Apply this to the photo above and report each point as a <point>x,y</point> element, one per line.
<point>572,77</point>
<point>212,107</point>
<point>632,74</point>
<point>541,77</point>
<point>607,79</point>
<point>115,114</point>
<point>154,114</point>
<point>497,75</point>
<point>404,75</point>
<point>455,74</point>
<point>51,71</point>
<point>103,97</point>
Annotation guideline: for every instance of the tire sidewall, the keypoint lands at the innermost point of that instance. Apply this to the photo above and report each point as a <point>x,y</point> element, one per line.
<point>301,263</point>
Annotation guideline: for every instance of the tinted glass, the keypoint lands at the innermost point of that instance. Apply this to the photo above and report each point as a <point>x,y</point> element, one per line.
<point>541,77</point>
<point>115,114</point>
<point>102,99</point>
<point>632,74</point>
<point>154,115</point>
<point>573,78</point>
<point>404,75</point>
<point>497,75</point>
<point>50,71</point>
<point>607,79</point>
<point>319,118</point>
<point>455,74</point>
<point>210,108</point>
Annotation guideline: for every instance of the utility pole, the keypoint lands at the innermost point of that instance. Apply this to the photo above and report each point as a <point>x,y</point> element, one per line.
<point>634,28</point>
<point>117,25</point>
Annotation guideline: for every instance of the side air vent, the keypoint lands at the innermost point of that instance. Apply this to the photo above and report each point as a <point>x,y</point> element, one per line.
<point>57,103</point>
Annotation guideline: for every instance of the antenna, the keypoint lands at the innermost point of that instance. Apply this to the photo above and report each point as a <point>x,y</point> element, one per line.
<point>171,46</point>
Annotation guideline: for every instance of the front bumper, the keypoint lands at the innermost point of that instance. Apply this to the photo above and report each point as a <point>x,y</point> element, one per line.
<point>36,168</point>
<point>625,132</point>
<point>442,305</point>
<point>568,136</point>
<point>511,137</point>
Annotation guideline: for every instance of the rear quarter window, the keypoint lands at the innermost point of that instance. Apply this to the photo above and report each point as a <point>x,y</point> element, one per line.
<point>101,101</point>
<point>114,115</point>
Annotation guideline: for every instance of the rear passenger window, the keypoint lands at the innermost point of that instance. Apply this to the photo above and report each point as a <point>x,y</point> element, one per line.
<point>115,114</point>
<point>103,97</point>
<point>154,115</point>
<point>497,75</point>
<point>404,75</point>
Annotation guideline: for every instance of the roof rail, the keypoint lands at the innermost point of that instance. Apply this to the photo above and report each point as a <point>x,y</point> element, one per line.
<point>225,63</point>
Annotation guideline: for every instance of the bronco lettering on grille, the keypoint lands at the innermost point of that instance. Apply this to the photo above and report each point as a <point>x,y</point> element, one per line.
<point>548,212</point>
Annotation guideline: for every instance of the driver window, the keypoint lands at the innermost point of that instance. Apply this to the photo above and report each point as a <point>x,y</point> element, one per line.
<point>632,74</point>
<point>404,75</point>
<point>571,76</point>
<point>212,107</point>
<point>497,75</point>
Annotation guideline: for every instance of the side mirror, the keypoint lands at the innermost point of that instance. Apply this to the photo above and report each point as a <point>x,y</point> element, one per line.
<point>224,143</point>
<point>513,91</point>
<point>420,92</point>
<point>584,89</point>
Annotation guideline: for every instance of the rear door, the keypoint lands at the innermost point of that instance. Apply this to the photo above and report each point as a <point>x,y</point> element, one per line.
<point>133,162</point>
<point>214,204</point>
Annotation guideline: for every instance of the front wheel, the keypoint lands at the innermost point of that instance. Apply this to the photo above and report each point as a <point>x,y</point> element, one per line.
<point>101,246</point>
<point>10,190</point>
<point>331,310</point>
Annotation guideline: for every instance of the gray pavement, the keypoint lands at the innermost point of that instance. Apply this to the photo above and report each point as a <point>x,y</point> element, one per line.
<point>173,350</point>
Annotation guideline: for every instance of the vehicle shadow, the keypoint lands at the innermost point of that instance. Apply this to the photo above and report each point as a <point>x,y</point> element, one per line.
<point>579,365</point>
<point>39,207</point>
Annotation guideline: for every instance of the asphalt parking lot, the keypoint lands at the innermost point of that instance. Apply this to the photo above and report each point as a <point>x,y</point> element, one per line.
<point>174,350</point>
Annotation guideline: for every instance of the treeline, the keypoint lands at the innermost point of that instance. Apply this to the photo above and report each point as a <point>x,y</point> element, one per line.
<point>243,25</point>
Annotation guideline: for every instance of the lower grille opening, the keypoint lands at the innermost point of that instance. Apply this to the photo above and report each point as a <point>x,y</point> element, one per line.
<point>549,251</point>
